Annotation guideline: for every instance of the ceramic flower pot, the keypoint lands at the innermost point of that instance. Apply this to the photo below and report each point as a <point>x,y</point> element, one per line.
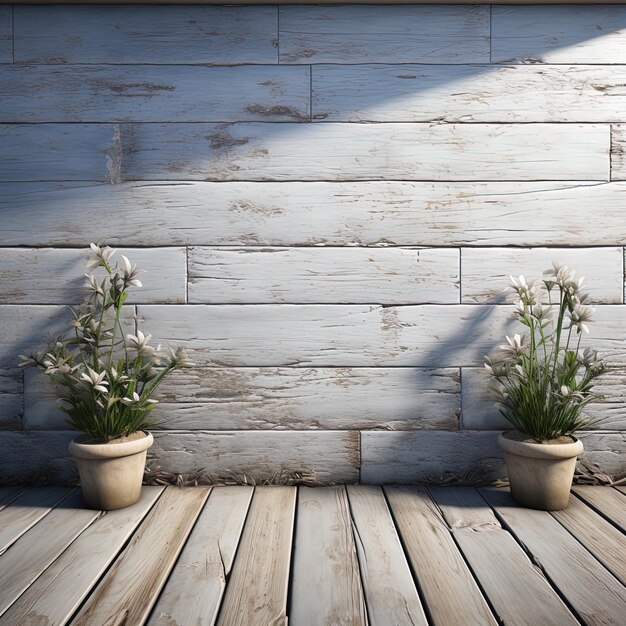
<point>111,473</point>
<point>540,474</point>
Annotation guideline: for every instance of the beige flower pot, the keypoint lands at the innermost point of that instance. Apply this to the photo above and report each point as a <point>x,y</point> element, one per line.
<point>111,473</point>
<point>540,474</point>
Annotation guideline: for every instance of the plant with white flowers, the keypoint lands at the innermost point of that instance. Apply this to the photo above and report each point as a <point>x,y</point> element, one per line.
<point>543,378</point>
<point>107,377</point>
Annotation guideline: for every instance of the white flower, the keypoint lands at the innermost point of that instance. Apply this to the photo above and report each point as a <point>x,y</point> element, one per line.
<point>130,273</point>
<point>579,316</point>
<point>102,255</point>
<point>95,380</point>
<point>139,342</point>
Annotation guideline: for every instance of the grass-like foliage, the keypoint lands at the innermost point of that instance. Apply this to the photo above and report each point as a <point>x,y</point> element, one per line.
<point>543,378</point>
<point>106,377</point>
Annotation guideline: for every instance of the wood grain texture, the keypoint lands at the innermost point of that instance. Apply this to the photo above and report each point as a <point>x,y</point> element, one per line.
<point>194,589</point>
<point>486,271</point>
<point>37,456</point>
<point>257,589</point>
<point>384,34</point>
<point>479,410</point>
<point>600,537</point>
<point>30,555</point>
<point>264,152</point>
<point>618,152</point>
<point>257,398</point>
<point>390,593</point>
<point>60,152</point>
<point>410,457</point>
<point>504,571</point>
<point>132,34</point>
<point>56,276</point>
<point>25,511</point>
<point>468,93</point>
<point>11,399</point>
<point>588,587</point>
<point>338,335</point>
<point>436,561</point>
<point>314,213</point>
<point>325,275</point>
<point>605,451</point>
<point>564,34</point>
<point>58,592</point>
<point>326,587</point>
<point>153,93</point>
<point>327,455</point>
<point>129,589</point>
<point>607,502</point>
<point>6,34</point>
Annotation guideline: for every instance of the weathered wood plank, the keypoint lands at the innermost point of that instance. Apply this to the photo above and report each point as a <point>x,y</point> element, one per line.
<point>390,593</point>
<point>349,213</point>
<point>36,456</point>
<point>604,451</point>
<point>486,271</point>
<point>8,494</point>
<point>55,276</point>
<point>24,512</point>
<point>130,587</point>
<point>618,152</point>
<point>589,588</point>
<point>242,398</point>
<point>257,151</point>
<point>41,152</point>
<point>606,501</point>
<point>11,399</point>
<point>325,455</point>
<point>194,589</point>
<point>135,34</point>
<point>58,592</point>
<point>436,561</point>
<point>468,93</point>
<point>410,457</point>
<point>505,573</point>
<point>564,34</point>
<point>30,555</point>
<point>158,93</point>
<point>479,410</point>
<point>324,275</point>
<point>600,537</point>
<point>6,34</point>
<point>384,34</point>
<point>326,586</point>
<point>257,589</point>
<point>24,328</point>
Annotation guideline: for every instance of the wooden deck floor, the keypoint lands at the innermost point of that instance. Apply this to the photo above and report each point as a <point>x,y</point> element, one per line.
<point>330,556</point>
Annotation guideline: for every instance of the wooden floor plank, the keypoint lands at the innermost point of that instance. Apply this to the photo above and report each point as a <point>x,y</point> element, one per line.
<point>32,553</point>
<point>501,566</point>
<point>390,593</point>
<point>194,590</point>
<point>129,589</point>
<point>8,494</point>
<point>601,538</point>
<point>326,586</point>
<point>609,502</point>
<point>621,489</point>
<point>26,510</point>
<point>447,585</point>
<point>592,591</point>
<point>54,597</point>
<point>257,589</point>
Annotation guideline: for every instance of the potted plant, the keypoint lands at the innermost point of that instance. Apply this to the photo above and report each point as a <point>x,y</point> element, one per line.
<point>105,378</point>
<point>544,381</point>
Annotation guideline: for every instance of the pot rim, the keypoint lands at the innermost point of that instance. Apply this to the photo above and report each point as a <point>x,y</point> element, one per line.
<point>109,450</point>
<point>541,450</point>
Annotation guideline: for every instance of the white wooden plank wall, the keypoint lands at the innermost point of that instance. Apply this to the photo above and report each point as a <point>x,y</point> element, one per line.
<point>327,201</point>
